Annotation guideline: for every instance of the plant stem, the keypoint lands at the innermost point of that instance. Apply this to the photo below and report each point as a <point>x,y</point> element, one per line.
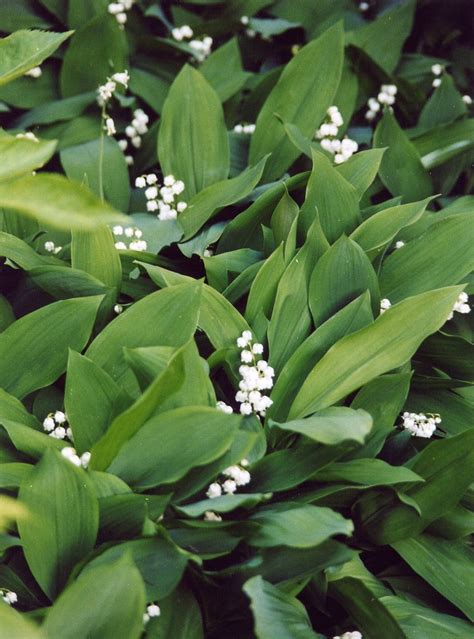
<point>101,155</point>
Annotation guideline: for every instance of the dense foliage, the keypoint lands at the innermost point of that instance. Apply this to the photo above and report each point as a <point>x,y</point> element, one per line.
<point>236,248</point>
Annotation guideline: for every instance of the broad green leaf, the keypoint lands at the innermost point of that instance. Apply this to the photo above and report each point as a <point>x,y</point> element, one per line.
<point>223,70</point>
<point>401,170</point>
<point>94,252</point>
<point>20,155</point>
<point>311,78</point>
<point>63,283</point>
<point>382,39</point>
<point>331,426</point>
<point>192,142</point>
<point>53,200</point>
<point>445,565</point>
<point>353,317</point>
<point>342,274</point>
<point>207,202</point>
<point>412,270</point>
<point>444,106</point>
<point>277,614</point>
<point>419,622</point>
<point>361,169</point>
<point>11,408</point>
<point>445,142</point>
<point>23,50</point>
<point>12,474</point>
<point>14,625</point>
<point>370,472</point>
<point>283,218</point>
<point>90,398</point>
<point>380,229</point>
<point>300,526</point>
<point>180,617</point>
<point>160,562</point>
<point>97,160</point>
<point>97,50</point>
<point>223,504</point>
<point>386,522</point>
<point>374,350</point>
<point>167,446</point>
<point>165,318</point>
<point>28,440</point>
<point>335,199</point>
<point>33,350</point>
<point>369,614</point>
<point>56,491</point>
<point>264,286</point>
<point>81,11</point>
<point>112,600</point>
<point>57,110</point>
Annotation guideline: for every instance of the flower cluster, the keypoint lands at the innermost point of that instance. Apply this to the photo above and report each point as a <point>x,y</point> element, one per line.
<point>437,70</point>
<point>419,424</point>
<point>327,134</point>
<point>133,235</point>
<point>51,247</point>
<point>354,634</point>
<point>106,91</point>
<point>8,596</point>
<point>385,304</point>
<point>71,455</point>
<point>255,378</point>
<point>210,515</point>
<point>386,96</point>
<point>152,610</point>
<point>35,72</point>
<point>236,476</point>
<point>399,244</point>
<point>28,135</point>
<point>135,131</point>
<point>461,305</point>
<point>119,9</point>
<point>162,199</point>
<point>56,425</point>
<point>248,129</point>
<point>201,48</point>
<point>182,33</point>
<point>225,408</point>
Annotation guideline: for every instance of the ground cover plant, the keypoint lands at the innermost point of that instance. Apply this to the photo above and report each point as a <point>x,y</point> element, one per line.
<point>236,253</point>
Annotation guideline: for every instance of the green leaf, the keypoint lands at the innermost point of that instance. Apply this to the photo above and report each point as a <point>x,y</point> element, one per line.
<point>81,11</point>
<point>180,617</point>
<point>354,316</point>
<point>412,269</point>
<point>112,603</point>
<point>299,526</point>
<point>160,562</point>
<point>33,350</point>
<point>223,70</point>
<point>56,491</point>
<point>342,274</point>
<point>53,200</point>
<point>401,170</point>
<point>90,398</point>
<point>445,142</point>
<point>380,229</point>
<point>331,426</point>
<point>207,202</point>
<point>192,143</point>
<point>444,106</point>
<point>264,286</point>
<point>419,622</point>
<point>133,329</point>
<point>97,50</point>
<point>14,625</point>
<point>277,614</point>
<point>167,446</point>
<point>23,50</point>
<point>95,253</point>
<point>361,169</point>
<point>11,408</point>
<point>223,504</point>
<point>20,155</point>
<point>335,199</point>
<point>374,350</point>
<point>82,162</point>
<point>382,39</point>
<point>311,78</point>
<point>372,472</point>
<point>445,565</point>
